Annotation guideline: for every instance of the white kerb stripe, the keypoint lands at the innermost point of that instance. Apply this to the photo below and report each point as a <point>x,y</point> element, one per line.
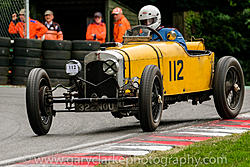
<point>206,133</point>
<point>136,153</point>
<point>222,130</point>
<point>245,115</point>
<point>151,148</point>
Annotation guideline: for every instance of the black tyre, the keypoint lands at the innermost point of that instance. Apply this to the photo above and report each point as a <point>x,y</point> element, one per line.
<point>57,73</point>
<point>56,54</point>
<point>228,87</point>
<point>57,45</point>
<point>4,41</point>
<point>27,52</point>
<point>79,55</point>
<point>19,80</point>
<point>3,80</point>
<point>4,51</point>
<point>150,98</point>
<point>4,71</point>
<point>4,61</point>
<point>28,43</point>
<point>38,110</point>
<point>21,71</point>
<point>27,61</point>
<point>54,64</point>
<point>85,45</point>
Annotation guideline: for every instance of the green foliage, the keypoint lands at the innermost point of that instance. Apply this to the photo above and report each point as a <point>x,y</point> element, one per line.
<point>193,24</point>
<point>226,32</point>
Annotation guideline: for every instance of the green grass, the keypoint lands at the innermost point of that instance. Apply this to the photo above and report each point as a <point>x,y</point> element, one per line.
<point>233,150</point>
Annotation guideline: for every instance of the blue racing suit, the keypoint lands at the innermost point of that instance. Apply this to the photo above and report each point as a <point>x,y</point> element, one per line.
<point>165,31</point>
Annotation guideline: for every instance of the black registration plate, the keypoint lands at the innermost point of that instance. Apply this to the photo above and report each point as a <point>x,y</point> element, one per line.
<point>95,107</point>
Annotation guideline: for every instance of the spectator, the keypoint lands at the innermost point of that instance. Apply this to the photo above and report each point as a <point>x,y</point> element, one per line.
<point>121,24</point>
<point>36,29</point>
<point>54,30</point>
<point>96,31</point>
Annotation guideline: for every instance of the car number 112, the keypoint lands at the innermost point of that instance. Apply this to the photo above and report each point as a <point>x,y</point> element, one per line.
<point>176,74</point>
<point>71,68</point>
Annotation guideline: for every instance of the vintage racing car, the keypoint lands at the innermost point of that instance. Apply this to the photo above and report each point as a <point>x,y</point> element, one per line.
<point>138,78</point>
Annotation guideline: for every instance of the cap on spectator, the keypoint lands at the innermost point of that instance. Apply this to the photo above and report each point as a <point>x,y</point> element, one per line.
<point>22,11</point>
<point>47,12</point>
<point>98,14</point>
<point>117,10</point>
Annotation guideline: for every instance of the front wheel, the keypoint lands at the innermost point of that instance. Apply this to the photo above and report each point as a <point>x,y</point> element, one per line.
<point>39,111</point>
<point>228,87</point>
<point>150,98</point>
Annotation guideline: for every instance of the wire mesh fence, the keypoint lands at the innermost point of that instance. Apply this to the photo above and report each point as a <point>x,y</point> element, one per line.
<point>7,9</point>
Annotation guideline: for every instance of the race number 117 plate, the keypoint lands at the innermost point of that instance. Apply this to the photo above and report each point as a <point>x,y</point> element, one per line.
<point>71,68</point>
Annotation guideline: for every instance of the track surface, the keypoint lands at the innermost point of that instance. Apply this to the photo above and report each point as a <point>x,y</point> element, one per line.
<point>73,129</point>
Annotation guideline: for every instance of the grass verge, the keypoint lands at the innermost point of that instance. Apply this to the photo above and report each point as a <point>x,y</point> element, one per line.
<point>233,150</point>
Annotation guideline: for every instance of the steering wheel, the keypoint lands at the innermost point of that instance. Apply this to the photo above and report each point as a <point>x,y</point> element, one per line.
<point>151,29</point>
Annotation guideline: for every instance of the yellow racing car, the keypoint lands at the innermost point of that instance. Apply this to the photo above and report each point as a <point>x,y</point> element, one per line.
<point>138,78</point>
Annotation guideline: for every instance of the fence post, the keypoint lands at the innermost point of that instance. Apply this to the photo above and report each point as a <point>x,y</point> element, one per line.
<point>27,19</point>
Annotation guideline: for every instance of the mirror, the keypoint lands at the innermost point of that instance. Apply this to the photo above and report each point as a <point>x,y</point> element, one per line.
<point>171,36</point>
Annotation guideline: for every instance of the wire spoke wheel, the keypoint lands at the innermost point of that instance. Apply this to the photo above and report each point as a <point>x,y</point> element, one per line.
<point>228,87</point>
<point>156,100</point>
<point>233,85</point>
<point>45,110</point>
<point>150,98</point>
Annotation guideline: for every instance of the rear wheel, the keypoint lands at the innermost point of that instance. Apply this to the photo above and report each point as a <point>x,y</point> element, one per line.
<point>228,87</point>
<point>150,98</point>
<point>38,109</point>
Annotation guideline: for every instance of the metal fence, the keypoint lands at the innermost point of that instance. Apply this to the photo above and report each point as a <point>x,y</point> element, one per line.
<point>7,9</point>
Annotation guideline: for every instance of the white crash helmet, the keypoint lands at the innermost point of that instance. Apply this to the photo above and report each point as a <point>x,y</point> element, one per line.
<point>150,16</point>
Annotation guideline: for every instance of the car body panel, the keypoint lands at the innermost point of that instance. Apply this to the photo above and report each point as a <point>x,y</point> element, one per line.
<point>196,45</point>
<point>182,73</point>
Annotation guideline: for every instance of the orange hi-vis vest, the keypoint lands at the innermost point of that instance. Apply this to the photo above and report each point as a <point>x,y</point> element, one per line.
<point>54,31</point>
<point>36,29</point>
<point>99,30</point>
<point>120,27</point>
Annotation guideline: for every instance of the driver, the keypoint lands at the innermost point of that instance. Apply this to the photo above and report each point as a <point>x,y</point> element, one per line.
<point>150,16</point>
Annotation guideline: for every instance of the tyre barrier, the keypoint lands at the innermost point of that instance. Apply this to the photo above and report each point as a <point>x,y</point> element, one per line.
<point>52,55</point>
<point>4,59</point>
<point>80,48</point>
<point>55,55</point>
<point>27,55</point>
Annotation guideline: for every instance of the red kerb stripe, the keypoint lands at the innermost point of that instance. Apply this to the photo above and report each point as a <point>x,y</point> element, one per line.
<point>193,138</point>
<point>179,143</point>
<point>238,126</point>
<point>237,120</point>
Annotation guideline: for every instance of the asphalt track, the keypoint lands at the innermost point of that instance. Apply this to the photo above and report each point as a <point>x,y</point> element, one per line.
<point>71,130</point>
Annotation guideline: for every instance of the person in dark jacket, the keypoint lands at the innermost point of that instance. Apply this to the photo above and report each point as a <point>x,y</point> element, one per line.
<point>54,30</point>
